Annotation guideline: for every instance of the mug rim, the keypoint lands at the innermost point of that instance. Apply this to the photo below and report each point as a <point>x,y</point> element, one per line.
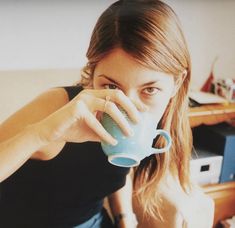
<point>122,155</point>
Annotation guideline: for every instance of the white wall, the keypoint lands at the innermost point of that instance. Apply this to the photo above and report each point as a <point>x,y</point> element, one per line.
<point>209,27</point>
<point>42,45</point>
<point>46,33</point>
<point>18,87</point>
<point>39,35</point>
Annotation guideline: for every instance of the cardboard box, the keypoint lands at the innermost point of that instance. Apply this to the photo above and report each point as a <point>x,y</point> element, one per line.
<point>205,167</point>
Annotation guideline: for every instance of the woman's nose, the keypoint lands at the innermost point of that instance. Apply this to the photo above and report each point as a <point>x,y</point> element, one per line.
<point>134,97</point>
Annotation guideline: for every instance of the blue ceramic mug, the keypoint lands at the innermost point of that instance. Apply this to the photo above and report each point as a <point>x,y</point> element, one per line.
<point>129,151</point>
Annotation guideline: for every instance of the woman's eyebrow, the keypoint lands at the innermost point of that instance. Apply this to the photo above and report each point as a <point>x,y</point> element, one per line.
<point>150,83</point>
<point>117,83</point>
<point>110,79</point>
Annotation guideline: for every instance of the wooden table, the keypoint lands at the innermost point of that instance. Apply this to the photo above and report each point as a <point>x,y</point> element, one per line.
<point>211,114</point>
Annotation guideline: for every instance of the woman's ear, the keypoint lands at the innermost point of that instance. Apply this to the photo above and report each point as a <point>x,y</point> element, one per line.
<point>179,82</point>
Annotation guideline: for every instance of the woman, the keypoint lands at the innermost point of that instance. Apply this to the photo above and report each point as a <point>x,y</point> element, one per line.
<point>53,171</point>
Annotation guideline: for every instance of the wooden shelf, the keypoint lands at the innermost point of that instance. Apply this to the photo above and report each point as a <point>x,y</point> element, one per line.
<point>224,198</point>
<point>211,114</point>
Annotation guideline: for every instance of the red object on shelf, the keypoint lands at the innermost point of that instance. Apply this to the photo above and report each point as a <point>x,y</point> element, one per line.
<point>208,84</point>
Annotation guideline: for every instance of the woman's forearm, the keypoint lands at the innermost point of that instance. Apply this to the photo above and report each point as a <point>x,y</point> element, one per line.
<point>15,151</point>
<point>121,205</point>
<point>121,200</point>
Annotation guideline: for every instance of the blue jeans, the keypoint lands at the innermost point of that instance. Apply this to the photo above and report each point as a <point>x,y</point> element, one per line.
<point>100,220</point>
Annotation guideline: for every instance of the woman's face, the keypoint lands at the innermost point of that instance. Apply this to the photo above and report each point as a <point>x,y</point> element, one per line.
<point>118,70</point>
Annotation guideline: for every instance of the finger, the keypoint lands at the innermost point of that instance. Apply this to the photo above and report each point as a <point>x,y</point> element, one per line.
<point>140,106</point>
<point>93,137</point>
<point>118,97</point>
<point>120,117</point>
<point>96,126</point>
<point>128,106</point>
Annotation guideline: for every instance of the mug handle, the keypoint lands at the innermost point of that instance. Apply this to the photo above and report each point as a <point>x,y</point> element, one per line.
<point>167,137</point>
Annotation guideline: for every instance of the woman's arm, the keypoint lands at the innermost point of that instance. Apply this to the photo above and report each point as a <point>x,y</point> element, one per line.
<point>179,209</point>
<point>17,150</point>
<point>40,129</point>
<point>32,113</point>
<point>20,134</point>
<point>194,208</point>
<point>120,203</point>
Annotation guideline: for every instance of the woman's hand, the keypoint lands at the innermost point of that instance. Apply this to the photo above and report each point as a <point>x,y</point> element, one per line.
<point>40,129</point>
<point>78,120</point>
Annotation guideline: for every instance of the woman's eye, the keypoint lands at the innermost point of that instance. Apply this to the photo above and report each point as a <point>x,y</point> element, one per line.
<point>150,90</point>
<point>110,86</point>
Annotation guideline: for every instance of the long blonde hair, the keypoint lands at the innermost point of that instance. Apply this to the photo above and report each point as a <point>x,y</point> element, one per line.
<point>150,31</point>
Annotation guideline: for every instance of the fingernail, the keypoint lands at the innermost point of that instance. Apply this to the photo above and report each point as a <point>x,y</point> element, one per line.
<point>137,118</point>
<point>114,142</point>
<point>144,108</point>
<point>131,132</point>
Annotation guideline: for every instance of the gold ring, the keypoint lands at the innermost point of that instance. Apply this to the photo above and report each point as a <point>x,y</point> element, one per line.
<point>107,99</point>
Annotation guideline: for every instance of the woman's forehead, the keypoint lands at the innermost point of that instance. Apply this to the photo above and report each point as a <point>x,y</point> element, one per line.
<point>119,64</point>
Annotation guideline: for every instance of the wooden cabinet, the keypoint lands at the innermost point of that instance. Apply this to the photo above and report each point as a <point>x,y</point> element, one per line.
<point>222,194</point>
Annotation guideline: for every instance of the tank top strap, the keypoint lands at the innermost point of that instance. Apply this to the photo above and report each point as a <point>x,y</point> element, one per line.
<point>73,91</point>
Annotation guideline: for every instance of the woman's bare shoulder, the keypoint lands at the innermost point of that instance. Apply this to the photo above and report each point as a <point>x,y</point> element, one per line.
<point>51,99</point>
<point>39,108</point>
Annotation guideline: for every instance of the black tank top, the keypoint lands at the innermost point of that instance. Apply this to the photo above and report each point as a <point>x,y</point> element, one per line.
<point>62,192</point>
